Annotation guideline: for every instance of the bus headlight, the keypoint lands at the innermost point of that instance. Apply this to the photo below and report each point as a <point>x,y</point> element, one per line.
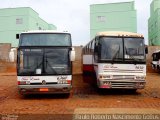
<point>64,81</point>
<point>23,83</point>
<point>105,76</point>
<point>140,77</point>
<point>140,85</point>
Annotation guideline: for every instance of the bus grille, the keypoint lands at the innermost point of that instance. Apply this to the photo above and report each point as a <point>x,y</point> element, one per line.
<point>42,84</point>
<point>131,77</point>
<point>123,85</point>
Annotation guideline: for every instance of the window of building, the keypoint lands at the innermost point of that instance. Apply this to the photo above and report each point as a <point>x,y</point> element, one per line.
<point>156,24</point>
<point>152,41</point>
<point>101,18</point>
<point>151,27</point>
<point>19,21</point>
<point>156,38</point>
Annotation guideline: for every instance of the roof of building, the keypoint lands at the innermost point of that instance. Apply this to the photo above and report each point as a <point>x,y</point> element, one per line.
<point>16,8</point>
<point>113,3</point>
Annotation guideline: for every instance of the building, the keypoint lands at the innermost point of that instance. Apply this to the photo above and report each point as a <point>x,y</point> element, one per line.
<point>15,20</point>
<point>113,17</point>
<point>154,23</point>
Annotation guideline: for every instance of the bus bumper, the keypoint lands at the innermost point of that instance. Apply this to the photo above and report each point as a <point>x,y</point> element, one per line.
<point>122,84</point>
<point>44,89</point>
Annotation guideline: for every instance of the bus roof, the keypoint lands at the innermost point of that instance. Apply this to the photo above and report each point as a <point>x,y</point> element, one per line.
<point>44,31</point>
<point>119,33</point>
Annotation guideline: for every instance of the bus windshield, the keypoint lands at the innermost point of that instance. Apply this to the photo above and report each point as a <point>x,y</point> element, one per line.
<point>134,49</point>
<point>49,61</point>
<point>122,49</point>
<point>45,39</point>
<point>111,48</point>
<point>156,56</point>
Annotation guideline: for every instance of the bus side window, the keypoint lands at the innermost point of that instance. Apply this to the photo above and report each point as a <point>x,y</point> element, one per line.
<point>96,50</point>
<point>90,47</point>
<point>146,50</point>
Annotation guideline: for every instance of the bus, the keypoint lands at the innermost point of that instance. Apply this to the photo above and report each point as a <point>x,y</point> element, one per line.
<point>115,60</point>
<point>156,60</point>
<point>44,62</point>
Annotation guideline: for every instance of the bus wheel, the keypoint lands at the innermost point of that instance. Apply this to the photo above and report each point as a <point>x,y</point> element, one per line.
<point>133,90</point>
<point>158,68</point>
<point>67,95</point>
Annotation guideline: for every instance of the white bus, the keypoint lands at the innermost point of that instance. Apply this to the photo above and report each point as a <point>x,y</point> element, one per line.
<point>44,62</point>
<point>156,60</point>
<point>115,60</point>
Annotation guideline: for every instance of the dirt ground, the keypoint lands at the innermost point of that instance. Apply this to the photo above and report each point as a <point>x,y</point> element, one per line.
<point>82,96</point>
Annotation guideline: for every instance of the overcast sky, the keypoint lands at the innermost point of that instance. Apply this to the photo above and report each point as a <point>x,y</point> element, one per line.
<point>73,15</point>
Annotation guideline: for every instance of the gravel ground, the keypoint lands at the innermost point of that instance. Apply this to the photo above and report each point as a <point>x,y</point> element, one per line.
<point>82,96</point>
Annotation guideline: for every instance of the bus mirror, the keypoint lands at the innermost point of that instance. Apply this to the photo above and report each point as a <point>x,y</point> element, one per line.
<point>17,36</point>
<point>72,56</point>
<point>146,50</point>
<point>11,56</point>
<point>38,71</point>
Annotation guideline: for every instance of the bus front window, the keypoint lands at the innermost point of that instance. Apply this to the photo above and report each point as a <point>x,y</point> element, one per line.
<point>29,61</point>
<point>57,61</point>
<point>50,61</point>
<point>39,39</point>
<point>134,49</point>
<point>111,49</point>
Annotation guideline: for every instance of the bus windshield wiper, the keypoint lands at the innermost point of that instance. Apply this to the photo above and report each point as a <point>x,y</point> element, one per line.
<point>53,70</point>
<point>115,55</point>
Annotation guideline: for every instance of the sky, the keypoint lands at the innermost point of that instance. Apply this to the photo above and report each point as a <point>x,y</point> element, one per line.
<point>73,15</point>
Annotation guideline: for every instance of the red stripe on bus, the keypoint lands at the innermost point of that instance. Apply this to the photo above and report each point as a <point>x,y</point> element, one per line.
<point>88,68</point>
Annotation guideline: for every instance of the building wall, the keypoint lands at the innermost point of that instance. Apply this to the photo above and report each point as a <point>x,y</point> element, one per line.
<point>15,20</point>
<point>4,51</point>
<point>113,17</point>
<point>8,26</point>
<point>154,6</point>
<point>154,23</point>
<point>77,64</point>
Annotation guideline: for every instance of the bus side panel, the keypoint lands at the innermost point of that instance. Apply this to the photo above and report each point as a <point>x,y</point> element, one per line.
<point>89,75</point>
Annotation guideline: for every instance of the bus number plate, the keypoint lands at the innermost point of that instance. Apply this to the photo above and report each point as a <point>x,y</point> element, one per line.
<point>43,89</point>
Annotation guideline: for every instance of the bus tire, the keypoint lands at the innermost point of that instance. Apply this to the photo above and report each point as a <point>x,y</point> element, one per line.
<point>158,67</point>
<point>67,95</point>
<point>133,90</point>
